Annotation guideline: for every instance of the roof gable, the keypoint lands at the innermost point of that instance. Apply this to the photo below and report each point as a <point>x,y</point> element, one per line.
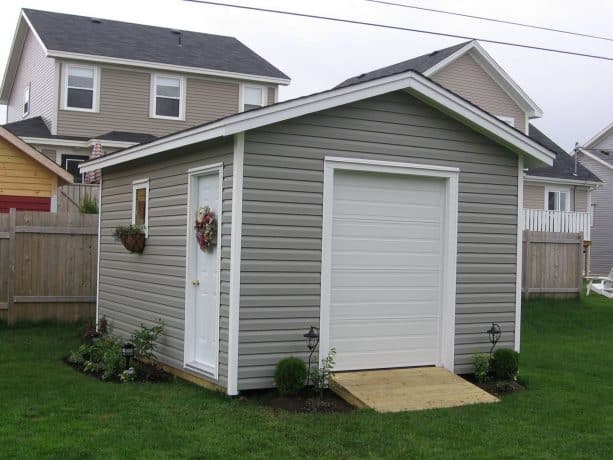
<point>604,134</point>
<point>411,82</point>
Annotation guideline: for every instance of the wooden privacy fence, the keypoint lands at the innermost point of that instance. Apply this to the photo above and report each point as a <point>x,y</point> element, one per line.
<point>47,266</point>
<point>552,264</point>
<point>70,197</point>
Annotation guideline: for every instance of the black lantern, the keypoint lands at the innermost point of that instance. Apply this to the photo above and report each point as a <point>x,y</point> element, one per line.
<point>128,352</point>
<point>494,333</point>
<point>312,337</point>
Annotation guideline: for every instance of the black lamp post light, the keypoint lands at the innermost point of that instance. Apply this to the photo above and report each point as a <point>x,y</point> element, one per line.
<point>128,352</point>
<point>494,333</point>
<point>312,337</point>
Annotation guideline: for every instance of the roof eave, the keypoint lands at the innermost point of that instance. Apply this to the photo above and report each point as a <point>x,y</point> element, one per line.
<point>560,180</point>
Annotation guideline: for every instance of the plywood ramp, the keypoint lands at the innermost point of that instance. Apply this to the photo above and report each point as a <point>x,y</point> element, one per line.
<point>398,390</point>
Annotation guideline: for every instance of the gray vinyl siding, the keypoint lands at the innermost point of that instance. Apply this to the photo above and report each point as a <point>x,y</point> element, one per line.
<point>605,142</point>
<point>139,288</point>
<point>37,70</point>
<point>534,197</point>
<point>282,220</point>
<point>601,251</point>
<point>468,79</point>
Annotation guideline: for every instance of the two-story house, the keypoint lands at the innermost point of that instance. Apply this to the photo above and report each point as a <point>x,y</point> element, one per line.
<point>72,82</point>
<point>555,198</point>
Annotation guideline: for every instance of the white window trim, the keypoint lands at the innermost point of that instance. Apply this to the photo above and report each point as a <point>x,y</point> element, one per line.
<point>153,97</point>
<point>138,184</point>
<point>509,120</point>
<point>451,176</point>
<point>96,88</point>
<point>241,95</point>
<point>27,91</point>
<point>557,189</point>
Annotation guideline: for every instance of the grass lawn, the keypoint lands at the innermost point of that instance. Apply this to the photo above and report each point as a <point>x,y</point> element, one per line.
<point>49,410</point>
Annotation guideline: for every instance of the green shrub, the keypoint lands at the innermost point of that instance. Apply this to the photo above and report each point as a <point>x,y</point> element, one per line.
<point>290,375</point>
<point>481,364</point>
<point>505,364</point>
<point>89,205</point>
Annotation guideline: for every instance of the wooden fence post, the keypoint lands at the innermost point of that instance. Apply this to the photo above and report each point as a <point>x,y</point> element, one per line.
<point>11,261</point>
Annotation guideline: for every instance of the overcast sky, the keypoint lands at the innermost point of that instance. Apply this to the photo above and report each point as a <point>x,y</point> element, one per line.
<point>575,93</point>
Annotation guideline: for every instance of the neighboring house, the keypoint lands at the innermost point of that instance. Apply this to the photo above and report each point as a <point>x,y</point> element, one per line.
<point>596,154</point>
<point>28,180</point>
<point>386,212</point>
<point>556,198</point>
<point>73,81</point>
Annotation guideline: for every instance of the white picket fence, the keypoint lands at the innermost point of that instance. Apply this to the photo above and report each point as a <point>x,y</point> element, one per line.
<point>540,220</point>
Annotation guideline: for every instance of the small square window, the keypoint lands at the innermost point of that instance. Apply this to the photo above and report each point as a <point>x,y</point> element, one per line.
<point>558,200</point>
<point>167,97</point>
<point>140,204</point>
<point>80,88</point>
<point>253,97</point>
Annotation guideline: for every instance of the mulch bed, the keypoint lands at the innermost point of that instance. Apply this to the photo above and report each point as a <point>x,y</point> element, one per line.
<point>146,373</point>
<point>497,388</point>
<point>306,401</point>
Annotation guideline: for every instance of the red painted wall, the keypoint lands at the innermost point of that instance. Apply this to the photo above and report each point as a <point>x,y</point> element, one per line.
<point>24,203</point>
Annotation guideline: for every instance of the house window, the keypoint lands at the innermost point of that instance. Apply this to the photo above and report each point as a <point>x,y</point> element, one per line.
<point>71,164</point>
<point>140,204</point>
<point>558,200</point>
<point>253,97</point>
<point>26,100</point>
<point>508,120</point>
<point>167,97</point>
<point>80,88</point>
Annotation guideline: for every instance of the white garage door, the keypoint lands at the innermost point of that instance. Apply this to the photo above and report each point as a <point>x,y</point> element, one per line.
<point>386,269</point>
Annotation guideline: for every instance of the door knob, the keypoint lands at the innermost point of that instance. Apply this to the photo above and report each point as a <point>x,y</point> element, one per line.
<point>196,282</point>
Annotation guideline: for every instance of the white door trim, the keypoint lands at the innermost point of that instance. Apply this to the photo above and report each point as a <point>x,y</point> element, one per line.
<point>190,249</point>
<point>446,358</point>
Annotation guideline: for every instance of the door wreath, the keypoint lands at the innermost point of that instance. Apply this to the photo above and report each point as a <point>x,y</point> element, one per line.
<point>206,228</point>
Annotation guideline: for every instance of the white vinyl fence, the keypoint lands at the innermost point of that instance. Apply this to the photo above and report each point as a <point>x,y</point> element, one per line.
<point>540,220</point>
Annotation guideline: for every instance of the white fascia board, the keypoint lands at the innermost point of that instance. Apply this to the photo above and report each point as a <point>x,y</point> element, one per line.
<point>598,135</point>
<point>17,44</point>
<point>165,67</point>
<point>595,158</point>
<point>410,81</point>
<point>554,180</point>
<point>76,143</point>
<point>493,69</point>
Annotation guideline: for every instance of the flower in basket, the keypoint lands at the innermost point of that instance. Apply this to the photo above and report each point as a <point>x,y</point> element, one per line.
<point>132,237</point>
<point>206,228</point>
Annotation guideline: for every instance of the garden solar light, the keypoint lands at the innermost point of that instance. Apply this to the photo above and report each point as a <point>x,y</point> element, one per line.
<point>127,351</point>
<point>494,332</point>
<point>312,337</point>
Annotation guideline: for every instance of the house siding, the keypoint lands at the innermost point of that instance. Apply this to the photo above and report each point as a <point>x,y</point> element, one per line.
<point>39,71</point>
<point>140,288</point>
<point>467,78</point>
<point>534,197</point>
<point>282,222</point>
<point>601,251</point>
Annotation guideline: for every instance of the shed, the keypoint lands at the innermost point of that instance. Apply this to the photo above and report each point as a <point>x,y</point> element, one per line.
<point>28,179</point>
<point>384,213</point>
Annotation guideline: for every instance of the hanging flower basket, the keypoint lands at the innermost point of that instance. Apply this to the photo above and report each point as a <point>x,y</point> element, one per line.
<point>206,228</point>
<point>132,237</point>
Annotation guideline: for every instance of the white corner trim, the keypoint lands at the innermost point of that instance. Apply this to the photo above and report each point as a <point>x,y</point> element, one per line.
<point>137,185</point>
<point>235,262</point>
<point>190,249</point>
<point>451,177</point>
<point>520,235</point>
<point>166,67</point>
<point>99,256</point>
<point>595,158</point>
<point>410,81</point>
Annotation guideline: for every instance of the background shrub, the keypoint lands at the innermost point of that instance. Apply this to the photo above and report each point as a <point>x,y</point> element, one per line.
<point>505,363</point>
<point>290,375</point>
<point>89,205</point>
<point>481,364</point>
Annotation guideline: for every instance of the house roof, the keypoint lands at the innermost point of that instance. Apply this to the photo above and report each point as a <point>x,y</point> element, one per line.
<point>412,82</point>
<point>35,155</point>
<point>599,135</point>
<point>563,165</point>
<point>429,64</point>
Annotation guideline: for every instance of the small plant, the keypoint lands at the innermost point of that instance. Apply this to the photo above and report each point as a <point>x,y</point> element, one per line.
<point>505,364</point>
<point>89,205</point>
<point>128,230</point>
<point>129,375</point>
<point>290,375</point>
<point>132,237</point>
<point>321,376</point>
<point>481,364</point>
<point>144,341</point>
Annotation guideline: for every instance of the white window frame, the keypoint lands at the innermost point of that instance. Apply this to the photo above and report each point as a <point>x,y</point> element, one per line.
<point>137,185</point>
<point>153,96</point>
<point>558,190</point>
<point>241,99</point>
<point>26,99</point>
<point>95,89</point>
<point>508,120</point>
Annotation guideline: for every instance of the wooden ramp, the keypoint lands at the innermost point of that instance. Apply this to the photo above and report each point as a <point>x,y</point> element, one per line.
<point>398,390</point>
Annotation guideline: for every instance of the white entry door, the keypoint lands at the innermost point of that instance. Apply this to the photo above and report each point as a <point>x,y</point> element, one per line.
<point>386,269</point>
<point>202,298</point>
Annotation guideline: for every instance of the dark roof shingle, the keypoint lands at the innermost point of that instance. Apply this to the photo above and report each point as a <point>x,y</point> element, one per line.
<point>81,34</point>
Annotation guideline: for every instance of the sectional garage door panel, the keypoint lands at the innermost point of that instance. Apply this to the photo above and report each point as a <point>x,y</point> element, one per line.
<point>386,269</point>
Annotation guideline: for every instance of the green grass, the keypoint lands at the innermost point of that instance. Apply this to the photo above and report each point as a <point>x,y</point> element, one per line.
<point>49,410</point>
